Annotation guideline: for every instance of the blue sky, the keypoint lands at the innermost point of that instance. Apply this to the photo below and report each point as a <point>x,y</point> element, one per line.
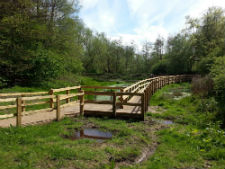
<point>141,20</point>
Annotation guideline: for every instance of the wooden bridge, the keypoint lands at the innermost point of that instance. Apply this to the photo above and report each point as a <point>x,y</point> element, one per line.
<point>123,102</point>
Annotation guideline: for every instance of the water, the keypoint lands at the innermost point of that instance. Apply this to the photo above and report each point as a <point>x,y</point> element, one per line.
<point>166,122</point>
<point>90,133</point>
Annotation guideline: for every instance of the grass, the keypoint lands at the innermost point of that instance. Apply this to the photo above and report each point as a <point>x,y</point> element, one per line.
<point>45,147</point>
<point>193,141</point>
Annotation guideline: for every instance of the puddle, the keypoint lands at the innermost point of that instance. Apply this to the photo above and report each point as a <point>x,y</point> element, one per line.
<point>166,122</point>
<point>90,133</point>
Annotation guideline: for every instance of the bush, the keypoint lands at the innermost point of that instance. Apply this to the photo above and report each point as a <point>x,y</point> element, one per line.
<point>202,86</point>
<point>159,68</point>
<point>218,76</point>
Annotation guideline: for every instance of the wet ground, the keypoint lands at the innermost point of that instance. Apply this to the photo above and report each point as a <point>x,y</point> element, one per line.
<point>90,133</point>
<point>165,122</point>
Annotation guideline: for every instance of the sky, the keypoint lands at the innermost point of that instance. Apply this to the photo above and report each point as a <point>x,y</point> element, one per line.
<point>138,21</point>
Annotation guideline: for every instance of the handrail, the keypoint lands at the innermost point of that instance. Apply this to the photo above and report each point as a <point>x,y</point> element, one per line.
<point>143,89</point>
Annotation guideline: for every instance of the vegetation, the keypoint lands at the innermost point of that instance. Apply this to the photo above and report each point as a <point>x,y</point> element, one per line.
<point>194,139</point>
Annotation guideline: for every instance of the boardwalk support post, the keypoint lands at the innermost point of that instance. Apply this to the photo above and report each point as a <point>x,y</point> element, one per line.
<point>143,106</point>
<point>81,103</point>
<point>68,100</point>
<point>114,104</point>
<point>121,99</point>
<point>19,112</point>
<point>58,107</point>
<point>51,102</point>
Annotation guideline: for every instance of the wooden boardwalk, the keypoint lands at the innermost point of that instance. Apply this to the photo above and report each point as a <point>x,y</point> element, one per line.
<point>126,102</point>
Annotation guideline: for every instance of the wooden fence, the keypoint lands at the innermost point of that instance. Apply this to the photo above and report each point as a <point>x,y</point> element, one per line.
<point>58,98</point>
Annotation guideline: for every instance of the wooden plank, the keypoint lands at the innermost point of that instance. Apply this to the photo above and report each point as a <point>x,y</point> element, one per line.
<point>7,107</point>
<point>101,87</point>
<point>8,100</point>
<point>3,116</point>
<point>31,104</point>
<point>66,88</point>
<point>51,101</point>
<point>66,96</point>
<point>82,103</point>
<point>36,111</point>
<point>143,106</point>
<point>69,104</point>
<point>58,107</point>
<point>98,93</point>
<point>129,104</point>
<point>98,101</point>
<point>22,94</point>
<point>129,94</point>
<point>114,104</point>
<point>37,97</point>
<point>68,99</point>
<point>98,113</point>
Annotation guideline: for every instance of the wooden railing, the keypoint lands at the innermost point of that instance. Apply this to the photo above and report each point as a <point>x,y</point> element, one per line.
<point>57,98</point>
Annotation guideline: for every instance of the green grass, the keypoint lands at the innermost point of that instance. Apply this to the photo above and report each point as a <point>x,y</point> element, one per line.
<point>193,141</point>
<point>45,147</point>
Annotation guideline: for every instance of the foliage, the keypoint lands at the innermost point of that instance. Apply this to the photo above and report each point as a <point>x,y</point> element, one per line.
<point>37,40</point>
<point>218,75</point>
<point>202,86</point>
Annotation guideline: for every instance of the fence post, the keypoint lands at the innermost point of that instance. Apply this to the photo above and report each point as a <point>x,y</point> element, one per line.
<point>58,107</point>
<point>145,99</point>
<point>68,99</point>
<point>143,106</point>
<point>19,112</point>
<point>114,104</point>
<point>23,105</point>
<point>121,99</point>
<point>51,102</point>
<point>81,103</point>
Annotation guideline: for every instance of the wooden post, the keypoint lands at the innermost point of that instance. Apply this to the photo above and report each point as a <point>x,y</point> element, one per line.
<point>51,102</point>
<point>121,99</point>
<point>152,87</point>
<point>114,104</point>
<point>19,111</point>
<point>68,100</point>
<point>23,107</point>
<point>145,99</point>
<point>81,103</point>
<point>58,107</point>
<point>143,106</point>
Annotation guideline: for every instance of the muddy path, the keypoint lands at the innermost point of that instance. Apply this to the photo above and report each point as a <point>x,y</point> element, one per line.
<point>149,150</point>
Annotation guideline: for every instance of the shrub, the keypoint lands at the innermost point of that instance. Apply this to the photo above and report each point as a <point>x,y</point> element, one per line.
<point>202,86</point>
<point>218,76</point>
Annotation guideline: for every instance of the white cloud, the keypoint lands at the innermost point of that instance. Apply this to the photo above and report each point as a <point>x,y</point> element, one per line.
<point>148,18</point>
<point>102,18</point>
<point>142,35</point>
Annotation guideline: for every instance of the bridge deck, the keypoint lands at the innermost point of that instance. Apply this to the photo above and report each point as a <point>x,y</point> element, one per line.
<point>73,110</point>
